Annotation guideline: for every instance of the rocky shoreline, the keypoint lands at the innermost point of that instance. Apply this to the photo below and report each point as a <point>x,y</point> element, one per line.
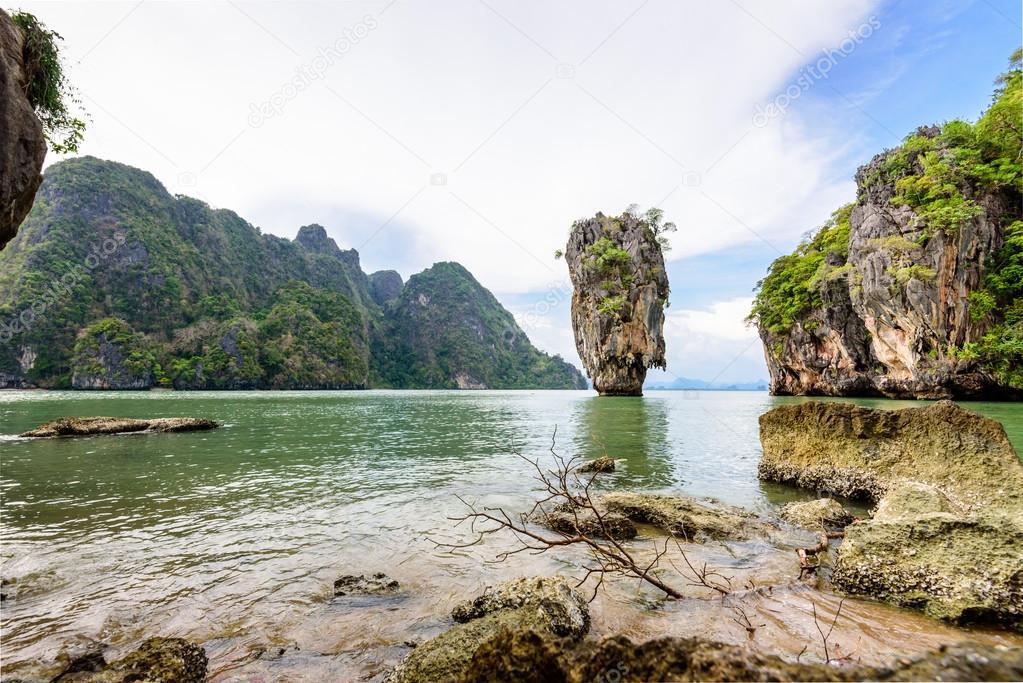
<point>947,532</point>
<point>944,539</point>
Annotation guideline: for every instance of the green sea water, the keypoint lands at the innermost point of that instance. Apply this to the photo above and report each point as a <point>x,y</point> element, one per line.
<point>238,530</point>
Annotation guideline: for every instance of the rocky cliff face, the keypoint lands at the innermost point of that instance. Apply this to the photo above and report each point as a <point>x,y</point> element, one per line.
<point>22,145</point>
<point>894,312</point>
<point>620,291</point>
<point>916,289</point>
<point>385,286</point>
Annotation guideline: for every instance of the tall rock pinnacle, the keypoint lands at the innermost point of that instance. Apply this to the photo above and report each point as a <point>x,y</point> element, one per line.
<point>620,291</point>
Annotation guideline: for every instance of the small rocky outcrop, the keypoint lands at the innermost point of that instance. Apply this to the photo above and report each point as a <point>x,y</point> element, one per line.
<point>385,286</point>
<point>157,660</point>
<point>686,517</point>
<point>377,584</point>
<point>22,145</point>
<point>814,514</point>
<point>603,465</point>
<point>548,606</point>
<point>946,535</point>
<point>523,655</point>
<point>620,291</point>
<point>89,426</point>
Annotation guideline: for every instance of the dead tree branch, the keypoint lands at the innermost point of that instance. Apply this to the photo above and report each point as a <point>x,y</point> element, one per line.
<point>564,491</point>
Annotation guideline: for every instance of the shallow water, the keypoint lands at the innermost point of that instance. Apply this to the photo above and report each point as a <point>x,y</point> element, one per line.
<point>233,537</point>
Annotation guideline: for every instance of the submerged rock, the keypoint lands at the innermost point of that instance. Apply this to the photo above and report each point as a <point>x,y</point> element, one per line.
<point>948,529</point>
<point>547,606</point>
<point>620,290</point>
<point>687,517</point>
<point>812,514</point>
<point>87,426</point>
<point>610,524</point>
<point>377,584</point>
<point>157,660</point>
<point>603,465</point>
<point>511,656</point>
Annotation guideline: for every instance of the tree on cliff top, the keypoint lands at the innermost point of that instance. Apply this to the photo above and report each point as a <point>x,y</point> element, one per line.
<point>47,86</point>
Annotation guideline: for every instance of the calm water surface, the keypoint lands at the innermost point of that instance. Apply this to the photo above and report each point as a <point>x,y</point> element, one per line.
<point>233,537</point>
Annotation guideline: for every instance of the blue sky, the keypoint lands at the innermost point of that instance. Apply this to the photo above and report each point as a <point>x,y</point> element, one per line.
<point>477,130</point>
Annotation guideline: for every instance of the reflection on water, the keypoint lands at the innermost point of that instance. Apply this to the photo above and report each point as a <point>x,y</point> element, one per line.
<point>632,430</point>
<point>233,537</point>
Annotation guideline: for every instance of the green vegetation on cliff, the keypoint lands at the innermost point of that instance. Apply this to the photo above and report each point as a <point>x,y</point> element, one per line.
<point>212,303</point>
<point>792,285</point>
<point>942,178</point>
<point>445,330</point>
<point>49,91</point>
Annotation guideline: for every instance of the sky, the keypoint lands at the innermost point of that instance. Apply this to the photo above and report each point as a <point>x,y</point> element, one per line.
<point>477,131</point>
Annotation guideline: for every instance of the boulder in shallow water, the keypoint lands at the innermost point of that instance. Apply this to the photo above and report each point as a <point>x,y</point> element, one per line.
<point>851,451</point>
<point>601,465</point>
<point>610,524</point>
<point>948,529</point>
<point>547,606</point>
<point>814,514</point>
<point>157,660</point>
<point>687,517</point>
<point>377,584</point>
<point>89,426</point>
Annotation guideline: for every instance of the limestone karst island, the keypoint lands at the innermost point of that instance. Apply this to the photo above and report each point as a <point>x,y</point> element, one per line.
<point>412,342</point>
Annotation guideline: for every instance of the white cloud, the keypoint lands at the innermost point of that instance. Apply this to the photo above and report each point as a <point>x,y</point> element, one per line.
<point>725,320</point>
<point>454,88</point>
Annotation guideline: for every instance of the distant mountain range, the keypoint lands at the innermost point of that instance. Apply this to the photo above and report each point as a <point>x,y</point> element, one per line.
<point>113,283</point>
<point>704,385</point>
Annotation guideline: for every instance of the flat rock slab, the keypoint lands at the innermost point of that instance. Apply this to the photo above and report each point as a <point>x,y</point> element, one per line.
<point>689,518</point>
<point>857,452</point>
<point>88,426</point>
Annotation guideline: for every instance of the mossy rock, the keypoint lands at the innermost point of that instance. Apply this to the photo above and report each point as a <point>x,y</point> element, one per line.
<point>686,517</point>
<point>547,606</point>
